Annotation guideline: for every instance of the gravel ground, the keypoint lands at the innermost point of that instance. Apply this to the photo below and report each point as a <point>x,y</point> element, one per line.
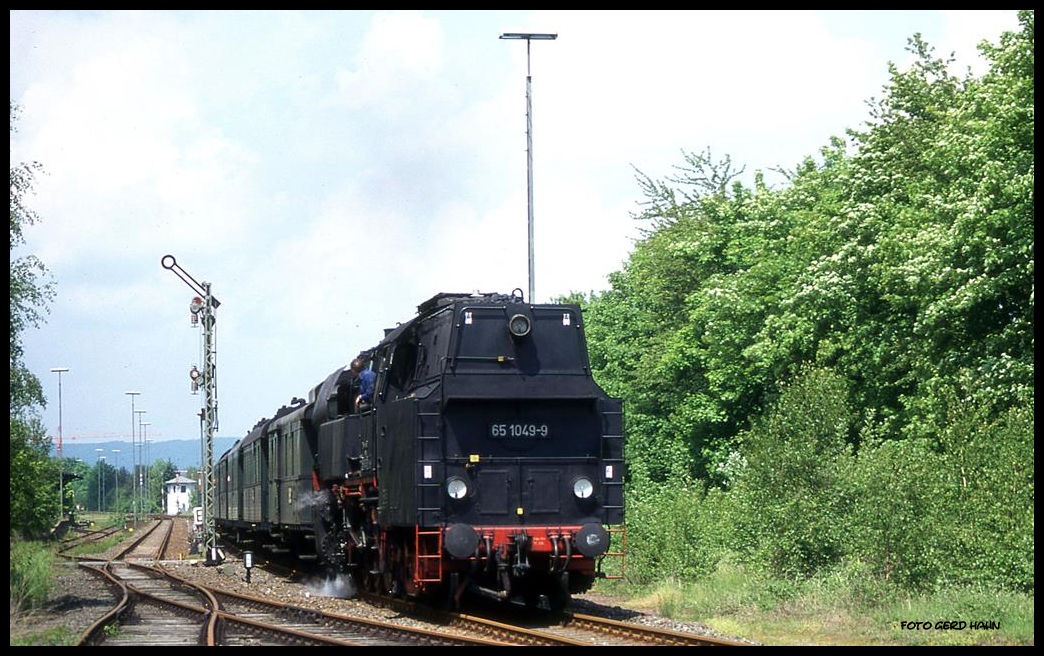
<point>80,598</point>
<point>319,594</point>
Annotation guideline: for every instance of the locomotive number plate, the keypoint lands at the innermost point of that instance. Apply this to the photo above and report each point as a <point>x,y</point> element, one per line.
<point>511,430</point>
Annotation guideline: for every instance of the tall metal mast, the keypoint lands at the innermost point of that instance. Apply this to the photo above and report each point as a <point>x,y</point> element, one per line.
<point>529,36</point>
<point>61,465</point>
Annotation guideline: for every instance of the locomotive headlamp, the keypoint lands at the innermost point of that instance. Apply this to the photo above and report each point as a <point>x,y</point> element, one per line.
<point>519,325</point>
<point>583,488</point>
<point>456,488</point>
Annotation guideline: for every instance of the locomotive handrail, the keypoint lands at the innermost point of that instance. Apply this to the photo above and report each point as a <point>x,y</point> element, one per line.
<point>484,358</point>
<point>526,459</point>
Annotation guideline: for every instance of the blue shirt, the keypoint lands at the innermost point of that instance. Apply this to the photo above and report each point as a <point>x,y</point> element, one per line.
<point>366,379</point>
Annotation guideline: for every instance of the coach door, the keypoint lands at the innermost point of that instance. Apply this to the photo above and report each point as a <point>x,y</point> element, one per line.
<point>275,481</point>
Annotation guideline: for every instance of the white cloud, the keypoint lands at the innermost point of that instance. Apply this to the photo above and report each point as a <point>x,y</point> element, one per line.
<point>401,51</point>
<point>963,31</point>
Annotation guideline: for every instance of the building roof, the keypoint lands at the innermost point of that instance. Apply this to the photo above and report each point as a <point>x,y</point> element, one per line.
<point>180,480</point>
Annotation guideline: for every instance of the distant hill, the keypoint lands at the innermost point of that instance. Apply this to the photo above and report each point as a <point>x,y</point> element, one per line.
<point>183,453</point>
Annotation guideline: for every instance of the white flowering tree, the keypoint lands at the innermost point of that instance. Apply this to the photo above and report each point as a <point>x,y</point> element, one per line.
<point>900,261</point>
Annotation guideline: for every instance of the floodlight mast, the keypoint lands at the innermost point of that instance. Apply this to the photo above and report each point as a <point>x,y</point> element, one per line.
<point>61,466</point>
<point>210,417</point>
<point>528,37</point>
<point>134,458</point>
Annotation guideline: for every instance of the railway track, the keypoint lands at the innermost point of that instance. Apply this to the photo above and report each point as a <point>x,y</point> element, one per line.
<point>160,613</point>
<point>168,610</point>
<point>585,627</point>
<point>150,610</point>
<point>525,627</point>
<point>516,625</point>
<point>522,626</point>
<point>159,608</point>
<point>352,630</point>
<point>86,537</point>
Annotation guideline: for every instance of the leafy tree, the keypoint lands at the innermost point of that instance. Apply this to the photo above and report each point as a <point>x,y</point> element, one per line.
<point>989,466</point>
<point>696,326</point>
<point>101,487</point>
<point>898,522</point>
<point>160,472</point>
<point>76,488</point>
<point>32,506</point>
<point>30,292</point>
<point>940,251</point>
<point>899,269</point>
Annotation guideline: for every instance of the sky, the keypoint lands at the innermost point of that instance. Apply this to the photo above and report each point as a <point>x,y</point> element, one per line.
<point>326,172</point>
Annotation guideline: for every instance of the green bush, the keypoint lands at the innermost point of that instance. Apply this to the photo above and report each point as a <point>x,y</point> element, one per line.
<point>956,510</point>
<point>897,523</point>
<point>677,532</point>
<point>789,499</point>
<point>990,467</point>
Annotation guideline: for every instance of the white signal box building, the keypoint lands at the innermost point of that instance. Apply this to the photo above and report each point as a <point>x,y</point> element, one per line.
<point>179,494</point>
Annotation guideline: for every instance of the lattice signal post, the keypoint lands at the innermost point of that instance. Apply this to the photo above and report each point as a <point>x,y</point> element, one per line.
<point>202,308</point>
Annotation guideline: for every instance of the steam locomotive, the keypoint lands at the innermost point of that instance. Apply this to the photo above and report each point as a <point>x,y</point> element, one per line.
<point>489,460</point>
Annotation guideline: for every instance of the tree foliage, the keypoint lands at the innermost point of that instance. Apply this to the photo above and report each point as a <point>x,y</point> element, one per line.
<point>845,342</point>
<point>788,492</point>
<point>33,505</point>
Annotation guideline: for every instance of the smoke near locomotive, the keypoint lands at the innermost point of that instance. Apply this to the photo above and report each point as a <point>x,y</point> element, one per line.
<point>488,460</point>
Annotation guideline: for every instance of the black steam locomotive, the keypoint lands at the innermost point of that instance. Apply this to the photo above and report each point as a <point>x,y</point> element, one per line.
<point>489,460</point>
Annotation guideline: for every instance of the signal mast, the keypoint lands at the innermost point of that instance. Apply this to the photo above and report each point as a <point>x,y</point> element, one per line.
<point>202,307</point>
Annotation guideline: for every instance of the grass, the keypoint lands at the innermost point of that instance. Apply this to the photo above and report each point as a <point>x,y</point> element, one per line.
<point>1011,611</point>
<point>845,608</point>
<point>32,584</point>
<point>59,637</point>
<point>31,566</point>
<point>100,546</point>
